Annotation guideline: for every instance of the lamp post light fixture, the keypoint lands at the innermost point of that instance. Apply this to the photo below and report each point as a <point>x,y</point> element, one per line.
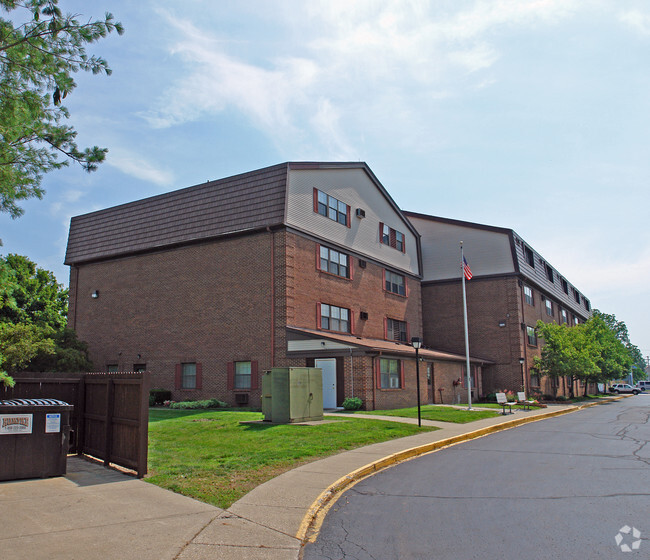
<point>416,342</point>
<point>523,377</point>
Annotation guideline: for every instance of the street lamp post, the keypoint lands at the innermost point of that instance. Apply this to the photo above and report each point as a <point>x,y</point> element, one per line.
<point>523,377</point>
<point>417,343</point>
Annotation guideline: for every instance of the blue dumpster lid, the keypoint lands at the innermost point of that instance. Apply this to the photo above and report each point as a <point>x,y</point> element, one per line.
<point>34,402</point>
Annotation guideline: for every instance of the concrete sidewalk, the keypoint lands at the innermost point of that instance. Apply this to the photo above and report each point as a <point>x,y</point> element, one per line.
<point>97,513</point>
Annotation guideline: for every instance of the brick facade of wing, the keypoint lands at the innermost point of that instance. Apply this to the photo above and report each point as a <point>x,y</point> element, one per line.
<point>512,288</point>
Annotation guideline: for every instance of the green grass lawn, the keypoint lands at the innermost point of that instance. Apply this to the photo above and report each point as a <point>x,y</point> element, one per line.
<point>210,456</point>
<point>439,413</point>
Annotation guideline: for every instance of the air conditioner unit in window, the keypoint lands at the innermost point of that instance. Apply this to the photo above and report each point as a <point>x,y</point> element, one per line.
<point>361,213</point>
<point>362,263</point>
<point>394,383</point>
<point>363,315</point>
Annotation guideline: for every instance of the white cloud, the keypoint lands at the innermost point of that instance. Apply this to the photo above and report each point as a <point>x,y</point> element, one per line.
<point>337,53</point>
<point>637,20</point>
<point>139,168</point>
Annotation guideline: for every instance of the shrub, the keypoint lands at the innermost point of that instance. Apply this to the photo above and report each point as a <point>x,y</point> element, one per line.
<point>561,398</point>
<point>352,403</point>
<point>159,396</point>
<point>191,405</point>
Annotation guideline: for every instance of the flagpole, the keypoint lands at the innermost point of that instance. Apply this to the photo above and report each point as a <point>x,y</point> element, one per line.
<point>469,379</point>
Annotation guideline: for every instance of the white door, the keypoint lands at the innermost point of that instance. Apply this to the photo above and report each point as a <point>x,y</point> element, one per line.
<point>328,365</point>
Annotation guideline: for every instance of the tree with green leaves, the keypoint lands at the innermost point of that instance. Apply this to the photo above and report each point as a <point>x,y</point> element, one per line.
<point>620,330</point>
<point>596,351</point>
<point>567,352</point>
<point>31,294</point>
<point>40,50</point>
<point>33,333</point>
<point>614,360</point>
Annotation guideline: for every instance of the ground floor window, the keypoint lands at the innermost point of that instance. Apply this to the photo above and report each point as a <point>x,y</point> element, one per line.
<point>188,376</point>
<point>390,374</point>
<point>242,375</point>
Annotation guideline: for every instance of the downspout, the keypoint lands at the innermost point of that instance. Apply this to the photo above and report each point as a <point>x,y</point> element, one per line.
<point>523,337</point>
<point>374,381</point>
<point>272,296</point>
<point>76,293</point>
<point>352,372</point>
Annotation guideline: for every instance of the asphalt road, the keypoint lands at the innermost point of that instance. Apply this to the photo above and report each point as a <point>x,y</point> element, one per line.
<point>559,488</point>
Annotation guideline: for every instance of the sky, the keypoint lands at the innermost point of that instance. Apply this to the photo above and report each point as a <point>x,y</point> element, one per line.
<point>530,115</point>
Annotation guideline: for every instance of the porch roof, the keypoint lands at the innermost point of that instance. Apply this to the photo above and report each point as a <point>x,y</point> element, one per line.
<point>374,345</point>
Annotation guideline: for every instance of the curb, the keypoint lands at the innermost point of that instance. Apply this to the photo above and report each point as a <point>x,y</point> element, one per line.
<point>313,519</point>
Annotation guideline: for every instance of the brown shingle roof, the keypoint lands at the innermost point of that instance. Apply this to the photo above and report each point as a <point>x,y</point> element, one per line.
<point>387,346</point>
<point>248,201</point>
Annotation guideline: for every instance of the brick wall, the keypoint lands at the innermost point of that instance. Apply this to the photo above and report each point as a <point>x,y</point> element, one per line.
<point>307,286</point>
<point>491,302</point>
<point>208,303</point>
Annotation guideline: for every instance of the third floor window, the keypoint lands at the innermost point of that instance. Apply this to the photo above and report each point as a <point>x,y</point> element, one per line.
<point>334,262</point>
<point>395,283</point>
<point>331,208</point>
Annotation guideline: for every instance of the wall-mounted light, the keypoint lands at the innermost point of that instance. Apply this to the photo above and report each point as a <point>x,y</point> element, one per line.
<point>95,294</point>
<point>502,323</point>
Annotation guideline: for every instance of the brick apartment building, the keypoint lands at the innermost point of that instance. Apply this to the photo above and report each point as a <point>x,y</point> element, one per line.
<point>512,288</point>
<point>298,264</point>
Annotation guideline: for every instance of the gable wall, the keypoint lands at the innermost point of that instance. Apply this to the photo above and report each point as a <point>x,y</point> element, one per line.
<point>355,188</point>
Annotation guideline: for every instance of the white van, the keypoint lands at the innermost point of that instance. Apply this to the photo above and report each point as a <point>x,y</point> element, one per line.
<point>643,385</point>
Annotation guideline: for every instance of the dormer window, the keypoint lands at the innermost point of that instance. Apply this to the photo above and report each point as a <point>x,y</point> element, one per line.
<point>528,254</point>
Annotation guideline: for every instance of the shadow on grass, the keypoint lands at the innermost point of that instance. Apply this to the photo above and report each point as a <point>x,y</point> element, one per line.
<point>160,414</point>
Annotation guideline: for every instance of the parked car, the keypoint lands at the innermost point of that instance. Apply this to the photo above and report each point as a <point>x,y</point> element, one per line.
<point>643,385</point>
<point>624,388</point>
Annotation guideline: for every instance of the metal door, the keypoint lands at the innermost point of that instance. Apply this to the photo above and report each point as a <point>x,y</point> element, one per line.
<point>328,366</point>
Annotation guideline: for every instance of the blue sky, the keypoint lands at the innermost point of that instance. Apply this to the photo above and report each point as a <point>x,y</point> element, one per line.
<point>532,115</point>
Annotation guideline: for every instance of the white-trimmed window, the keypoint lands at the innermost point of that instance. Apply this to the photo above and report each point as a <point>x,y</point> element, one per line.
<point>549,307</point>
<point>531,335</point>
<point>188,376</point>
<point>528,295</point>
<point>395,283</point>
<point>334,262</point>
<point>331,208</point>
<point>392,237</point>
<point>390,373</point>
<point>564,317</point>
<point>242,375</point>
<point>396,330</point>
<point>333,318</point>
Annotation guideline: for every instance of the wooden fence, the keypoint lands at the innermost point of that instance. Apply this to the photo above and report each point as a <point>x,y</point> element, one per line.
<point>110,420</point>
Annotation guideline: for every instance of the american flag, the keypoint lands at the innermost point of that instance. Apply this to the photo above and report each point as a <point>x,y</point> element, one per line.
<point>466,270</point>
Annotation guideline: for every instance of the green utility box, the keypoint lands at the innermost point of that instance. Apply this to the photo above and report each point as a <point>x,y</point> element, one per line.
<point>292,395</point>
